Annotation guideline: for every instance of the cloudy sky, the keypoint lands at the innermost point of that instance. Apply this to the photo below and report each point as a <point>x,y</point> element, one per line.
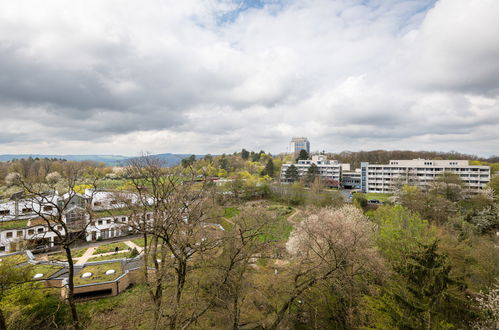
<point>213,76</point>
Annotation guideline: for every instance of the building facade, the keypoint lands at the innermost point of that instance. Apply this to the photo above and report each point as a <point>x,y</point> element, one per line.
<point>22,227</point>
<point>299,143</point>
<point>350,179</point>
<point>327,169</point>
<point>376,178</point>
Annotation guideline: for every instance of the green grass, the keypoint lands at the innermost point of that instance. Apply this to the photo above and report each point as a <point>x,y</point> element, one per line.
<point>97,306</point>
<point>16,258</point>
<point>119,255</point>
<point>46,270</point>
<point>279,230</point>
<point>230,212</point>
<point>111,213</point>
<point>139,241</point>
<point>226,224</point>
<point>281,210</point>
<point>98,273</point>
<point>62,255</point>
<point>381,197</point>
<point>111,247</point>
<point>5,225</point>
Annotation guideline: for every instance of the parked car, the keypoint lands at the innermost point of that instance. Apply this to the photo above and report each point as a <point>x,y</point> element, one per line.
<point>374,202</point>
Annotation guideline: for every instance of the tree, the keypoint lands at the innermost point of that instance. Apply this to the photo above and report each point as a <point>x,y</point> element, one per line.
<point>189,161</point>
<point>224,163</point>
<point>449,185</point>
<point>245,154</point>
<point>422,294</point>
<point>303,155</point>
<point>10,276</point>
<point>269,168</point>
<point>243,244</point>
<point>489,307</point>
<point>330,244</point>
<point>312,173</point>
<point>291,174</point>
<point>67,217</point>
<point>174,220</point>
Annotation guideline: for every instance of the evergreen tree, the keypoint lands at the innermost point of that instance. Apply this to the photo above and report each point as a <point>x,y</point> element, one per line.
<point>186,162</point>
<point>208,158</point>
<point>303,155</point>
<point>244,154</point>
<point>224,163</point>
<point>312,173</point>
<point>269,168</point>
<point>292,173</point>
<point>422,295</point>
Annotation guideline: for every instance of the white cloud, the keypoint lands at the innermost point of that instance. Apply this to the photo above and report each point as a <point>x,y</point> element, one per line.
<point>178,76</point>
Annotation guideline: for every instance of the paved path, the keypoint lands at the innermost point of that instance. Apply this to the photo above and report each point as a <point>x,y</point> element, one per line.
<point>132,245</point>
<point>86,255</point>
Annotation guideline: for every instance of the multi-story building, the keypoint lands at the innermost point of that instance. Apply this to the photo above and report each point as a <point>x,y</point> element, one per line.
<point>327,169</point>
<point>420,172</point>
<point>22,227</point>
<point>299,143</point>
<point>350,179</point>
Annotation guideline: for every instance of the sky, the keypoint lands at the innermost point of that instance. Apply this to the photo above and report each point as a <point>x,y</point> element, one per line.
<point>214,76</point>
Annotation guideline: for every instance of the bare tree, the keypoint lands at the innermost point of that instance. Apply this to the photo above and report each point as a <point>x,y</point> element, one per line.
<point>66,216</point>
<point>172,211</point>
<point>243,245</point>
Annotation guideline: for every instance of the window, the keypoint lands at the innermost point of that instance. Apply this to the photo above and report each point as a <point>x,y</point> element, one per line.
<point>40,230</point>
<point>114,202</point>
<point>47,208</point>
<point>97,203</point>
<point>31,232</point>
<point>99,222</point>
<point>123,219</point>
<point>108,222</point>
<point>4,212</point>
<point>8,234</point>
<point>27,210</point>
<point>2,248</point>
<point>19,233</point>
<point>59,228</point>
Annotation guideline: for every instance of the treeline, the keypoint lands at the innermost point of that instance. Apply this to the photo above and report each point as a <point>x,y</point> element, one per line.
<point>39,168</point>
<point>384,156</point>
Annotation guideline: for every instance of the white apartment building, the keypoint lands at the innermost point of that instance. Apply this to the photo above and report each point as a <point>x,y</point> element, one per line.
<point>376,178</point>
<point>328,169</point>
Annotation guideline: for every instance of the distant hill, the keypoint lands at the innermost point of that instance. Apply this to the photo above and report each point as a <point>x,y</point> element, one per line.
<point>172,159</point>
<point>109,160</point>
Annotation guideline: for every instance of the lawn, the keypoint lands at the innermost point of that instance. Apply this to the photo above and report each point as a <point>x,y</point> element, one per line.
<point>381,197</point>
<point>119,255</point>
<point>111,213</point>
<point>230,212</point>
<point>111,247</point>
<point>16,258</point>
<point>140,241</point>
<point>5,225</point>
<point>99,273</point>
<point>62,255</point>
<point>279,230</point>
<point>46,270</point>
